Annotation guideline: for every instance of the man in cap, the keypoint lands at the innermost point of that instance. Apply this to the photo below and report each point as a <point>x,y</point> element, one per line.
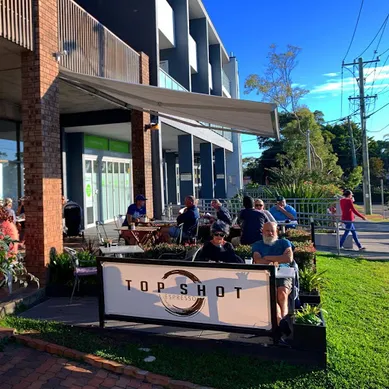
<point>282,211</point>
<point>136,211</point>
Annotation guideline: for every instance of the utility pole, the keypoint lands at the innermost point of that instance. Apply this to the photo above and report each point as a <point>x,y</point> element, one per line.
<point>352,144</point>
<point>365,145</point>
<point>309,150</point>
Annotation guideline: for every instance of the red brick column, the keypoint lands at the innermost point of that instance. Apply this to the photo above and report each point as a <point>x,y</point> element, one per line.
<point>41,136</point>
<point>141,145</point>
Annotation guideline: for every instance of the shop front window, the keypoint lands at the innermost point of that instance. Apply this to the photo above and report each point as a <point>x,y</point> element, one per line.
<point>10,160</point>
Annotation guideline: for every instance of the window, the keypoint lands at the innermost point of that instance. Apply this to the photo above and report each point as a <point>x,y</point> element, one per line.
<point>11,169</point>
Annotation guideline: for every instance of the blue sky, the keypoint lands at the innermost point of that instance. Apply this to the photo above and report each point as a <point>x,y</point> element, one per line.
<point>323,30</point>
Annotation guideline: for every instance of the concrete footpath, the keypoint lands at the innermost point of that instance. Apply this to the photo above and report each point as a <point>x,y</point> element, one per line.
<point>373,236</point>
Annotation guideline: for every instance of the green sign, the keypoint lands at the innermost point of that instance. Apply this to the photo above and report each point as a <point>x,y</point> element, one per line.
<point>88,190</point>
<point>118,146</point>
<point>95,142</point>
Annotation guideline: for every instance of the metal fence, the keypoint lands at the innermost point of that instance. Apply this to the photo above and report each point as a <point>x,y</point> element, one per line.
<point>307,209</point>
<point>91,48</point>
<point>16,22</point>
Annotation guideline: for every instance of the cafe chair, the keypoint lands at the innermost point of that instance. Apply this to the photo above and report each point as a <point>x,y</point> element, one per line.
<point>79,272</point>
<point>193,233</point>
<point>102,235</point>
<point>119,220</point>
<point>190,255</point>
<point>178,239</point>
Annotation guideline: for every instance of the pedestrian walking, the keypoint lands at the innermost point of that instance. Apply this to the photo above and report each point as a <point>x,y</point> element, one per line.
<point>348,212</point>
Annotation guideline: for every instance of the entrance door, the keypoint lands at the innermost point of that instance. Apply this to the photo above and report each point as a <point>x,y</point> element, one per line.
<point>90,191</point>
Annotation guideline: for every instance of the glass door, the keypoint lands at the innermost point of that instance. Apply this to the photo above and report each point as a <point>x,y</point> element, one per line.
<point>90,191</point>
<point>104,190</point>
<point>110,191</point>
<point>116,194</point>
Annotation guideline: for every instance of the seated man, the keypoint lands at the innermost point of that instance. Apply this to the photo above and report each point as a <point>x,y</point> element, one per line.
<point>272,250</point>
<point>136,211</point>
<point>189,217</point>
<point>251,222</point>
<point>282,211</point>
<point>222,213</point>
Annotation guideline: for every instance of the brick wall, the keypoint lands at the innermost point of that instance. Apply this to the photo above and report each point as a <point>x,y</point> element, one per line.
<point>41,136</point>
<point>141,146</point>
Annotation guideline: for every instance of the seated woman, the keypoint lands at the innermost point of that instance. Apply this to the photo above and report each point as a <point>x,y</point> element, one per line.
<point>8,228</point>
<point>218,250</point>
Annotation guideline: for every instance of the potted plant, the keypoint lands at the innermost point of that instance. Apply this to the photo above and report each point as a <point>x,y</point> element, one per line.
<point>311,283</point>
<point>12,268</point>
<point>244,252</point>
<point>309,329</point>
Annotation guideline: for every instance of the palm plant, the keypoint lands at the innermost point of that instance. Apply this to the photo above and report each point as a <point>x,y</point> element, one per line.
<point>309,315</point>
<point>310,280</point>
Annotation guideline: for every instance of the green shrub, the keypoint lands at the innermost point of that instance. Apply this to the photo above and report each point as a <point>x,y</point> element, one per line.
<point>61,267</point>
<point>309,314</point>
<point>244,251</point>
<point>304,254</point>
<point>154,252</point>
<point>310,280</point>
<point>298,235</point>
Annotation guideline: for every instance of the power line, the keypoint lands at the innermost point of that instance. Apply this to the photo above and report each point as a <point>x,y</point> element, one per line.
<point>383,52</point>
<point>383,26</point>
<point>382,129</point>
<point>249,140</point>
<point>378,110</point>
<point>355,30</point>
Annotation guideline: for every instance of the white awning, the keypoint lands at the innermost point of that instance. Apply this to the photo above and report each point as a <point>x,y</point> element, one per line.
<point>242,116</point>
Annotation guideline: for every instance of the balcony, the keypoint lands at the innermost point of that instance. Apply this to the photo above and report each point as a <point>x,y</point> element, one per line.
<point>91,48</point>
<point>226,84</point>
<point>165,15</point>
<point>168,82</point>
<point>16,22</point>
<point>193,54</point>
<point>210,77</point>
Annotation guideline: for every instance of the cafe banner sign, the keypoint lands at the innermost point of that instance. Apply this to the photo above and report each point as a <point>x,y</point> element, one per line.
<point>234,298</point>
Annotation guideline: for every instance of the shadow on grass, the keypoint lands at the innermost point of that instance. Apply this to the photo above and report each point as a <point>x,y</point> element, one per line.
<point>210,366</point>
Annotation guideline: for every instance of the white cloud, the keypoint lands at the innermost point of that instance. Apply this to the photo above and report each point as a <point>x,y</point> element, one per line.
<point>377,76</point>
<point>330,74</point>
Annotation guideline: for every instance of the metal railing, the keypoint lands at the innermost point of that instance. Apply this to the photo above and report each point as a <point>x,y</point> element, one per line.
<point>16,22</point>
<point>91,48</point>
<point>307,209</point>
<point>168,82</point>
<point>226,82</point>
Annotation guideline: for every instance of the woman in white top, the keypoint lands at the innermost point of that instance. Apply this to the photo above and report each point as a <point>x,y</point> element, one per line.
<point>260,206</point>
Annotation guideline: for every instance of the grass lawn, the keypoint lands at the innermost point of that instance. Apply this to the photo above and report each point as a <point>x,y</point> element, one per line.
<point>357,303</point>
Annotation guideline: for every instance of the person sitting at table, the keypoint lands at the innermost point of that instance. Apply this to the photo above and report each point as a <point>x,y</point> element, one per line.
<point>251,222</point>
<point>189,218</point>
<point>8,208</point>
<point>283,212</point>
<point>217,249</point>
<point>8,228</point>
<point>260,206</point>
<point>135,211</point>
<point>222,213</point>
<point>271,250</point>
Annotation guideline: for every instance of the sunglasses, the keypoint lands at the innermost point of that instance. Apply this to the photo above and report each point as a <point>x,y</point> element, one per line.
<point>219,234</point>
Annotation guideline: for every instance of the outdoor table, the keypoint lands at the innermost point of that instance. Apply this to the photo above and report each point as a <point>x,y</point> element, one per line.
<point>20,219</point>
<point>284,224</point>
<point>120,250</point>
<point>141,235</point>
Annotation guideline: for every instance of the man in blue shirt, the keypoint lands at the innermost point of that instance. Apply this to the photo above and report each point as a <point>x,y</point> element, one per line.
<point>136,211</point>
<point>271,250</point>
<point>222,213</point>
<point>189,218</point>
<point>251,221</point>
<point>281,211</point>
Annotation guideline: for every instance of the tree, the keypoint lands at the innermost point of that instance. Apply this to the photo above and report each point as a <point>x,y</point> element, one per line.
<point>341,143</point>
<point>377,170</point>
<point>277,86</point>
<point>354,179</point>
